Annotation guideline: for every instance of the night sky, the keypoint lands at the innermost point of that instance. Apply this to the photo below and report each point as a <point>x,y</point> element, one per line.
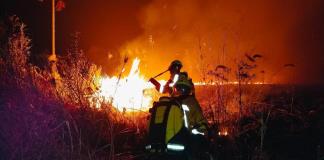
<point>283,31</point>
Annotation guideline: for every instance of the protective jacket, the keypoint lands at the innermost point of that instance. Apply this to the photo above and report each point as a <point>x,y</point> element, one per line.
<point>196,118</point>
<point>168,87</point>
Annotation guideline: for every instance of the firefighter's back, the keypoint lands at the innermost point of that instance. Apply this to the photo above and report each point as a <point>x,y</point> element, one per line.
<point>167,136</point>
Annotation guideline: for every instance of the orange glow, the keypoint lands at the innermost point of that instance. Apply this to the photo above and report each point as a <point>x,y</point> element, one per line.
<point>231,82</point>
<point>133,92</point>
<point>223,132</point>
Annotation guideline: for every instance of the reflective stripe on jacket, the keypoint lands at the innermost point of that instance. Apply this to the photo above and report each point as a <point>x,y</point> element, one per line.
<point>196,117</point>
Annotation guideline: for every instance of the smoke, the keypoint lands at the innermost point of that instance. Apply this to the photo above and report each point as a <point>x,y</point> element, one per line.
<point>204,34</point>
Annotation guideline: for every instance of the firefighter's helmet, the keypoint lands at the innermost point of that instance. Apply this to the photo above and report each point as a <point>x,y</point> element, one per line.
<point>175,66</point>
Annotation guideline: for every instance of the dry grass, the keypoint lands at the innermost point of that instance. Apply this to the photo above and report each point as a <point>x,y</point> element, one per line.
<point>45,118</point>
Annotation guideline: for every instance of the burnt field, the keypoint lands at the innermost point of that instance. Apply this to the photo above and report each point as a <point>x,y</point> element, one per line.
<point>277,122</point>
<point>77,78</point>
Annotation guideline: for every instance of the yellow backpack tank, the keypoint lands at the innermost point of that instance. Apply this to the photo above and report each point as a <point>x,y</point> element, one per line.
<point>166,126</point>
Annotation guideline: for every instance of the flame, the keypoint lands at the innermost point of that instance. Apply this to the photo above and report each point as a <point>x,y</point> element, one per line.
<point>223,132</point>
<point>131,93</point>
<point>227,83</point>
<point>128,93</point>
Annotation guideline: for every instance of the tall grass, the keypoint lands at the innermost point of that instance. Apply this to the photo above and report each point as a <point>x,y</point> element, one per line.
<point>45,118</point>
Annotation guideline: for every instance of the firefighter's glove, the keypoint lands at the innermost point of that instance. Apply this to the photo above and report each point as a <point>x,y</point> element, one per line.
<point>155,83</point>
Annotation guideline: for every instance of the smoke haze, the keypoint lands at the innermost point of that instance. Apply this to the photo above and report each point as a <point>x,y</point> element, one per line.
<point>202,34</point>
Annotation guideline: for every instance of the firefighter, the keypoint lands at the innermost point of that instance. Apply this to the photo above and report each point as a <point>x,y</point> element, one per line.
<point>196,122</point>
<point>182,92</point>
<point>174,70</point>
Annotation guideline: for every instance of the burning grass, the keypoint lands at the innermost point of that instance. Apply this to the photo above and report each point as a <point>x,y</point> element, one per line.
<point>84,114</point>
<point>45,117</point>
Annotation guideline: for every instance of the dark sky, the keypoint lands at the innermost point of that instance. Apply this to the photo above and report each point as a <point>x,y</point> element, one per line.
<point>283,31</point>
<point>104,25</point>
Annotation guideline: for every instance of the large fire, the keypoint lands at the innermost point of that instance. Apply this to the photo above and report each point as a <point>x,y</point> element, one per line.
<point>133,92</point>
<point>130,93</point>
